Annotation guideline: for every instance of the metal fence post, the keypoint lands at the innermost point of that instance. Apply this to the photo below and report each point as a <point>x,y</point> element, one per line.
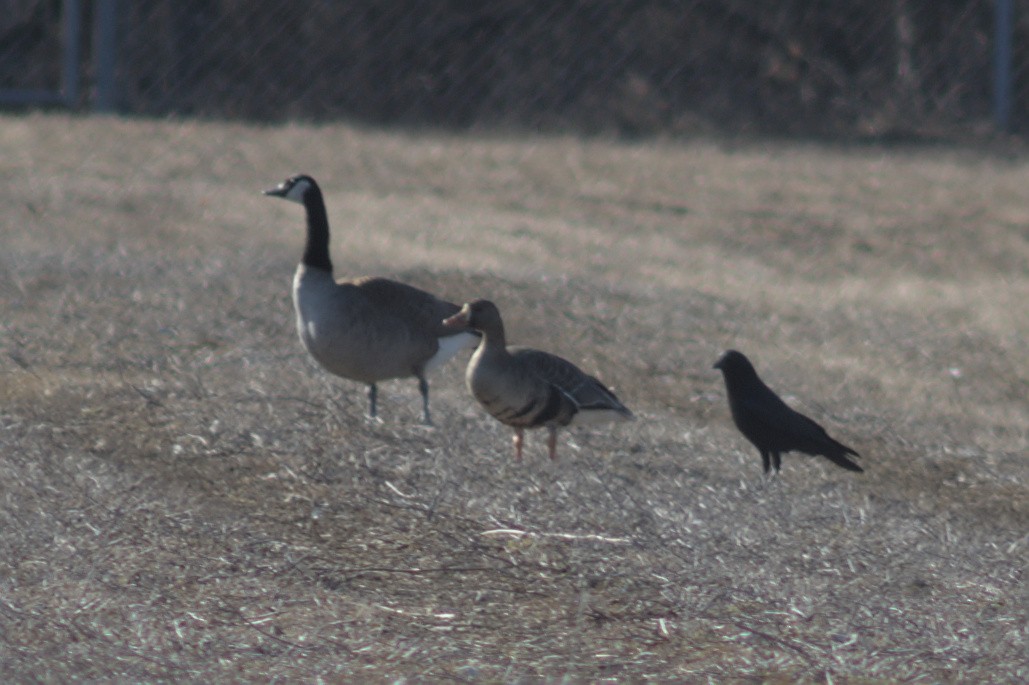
<point>72,52</point>
<point>1003,26</point>
<point>105,41</point>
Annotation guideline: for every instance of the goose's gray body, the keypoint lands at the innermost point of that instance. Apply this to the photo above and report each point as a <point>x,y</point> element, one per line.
<point>372,329</point>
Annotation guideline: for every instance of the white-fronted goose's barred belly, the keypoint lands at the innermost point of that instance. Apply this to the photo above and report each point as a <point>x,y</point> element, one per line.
<point>365,329</point>
<point>526,388</point>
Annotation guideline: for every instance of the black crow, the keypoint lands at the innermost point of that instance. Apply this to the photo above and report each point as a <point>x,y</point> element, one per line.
<point>769,423</point>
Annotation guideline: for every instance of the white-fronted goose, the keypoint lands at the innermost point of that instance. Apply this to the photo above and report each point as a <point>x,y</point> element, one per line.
<point>365,329</point>
<point>527,388</point>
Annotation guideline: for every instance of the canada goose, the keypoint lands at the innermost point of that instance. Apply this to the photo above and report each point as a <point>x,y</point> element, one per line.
<point>365,329</point>
<point>769,423</point>
<point>527,388</point>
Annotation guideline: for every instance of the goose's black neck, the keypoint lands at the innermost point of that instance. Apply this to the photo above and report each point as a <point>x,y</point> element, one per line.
<point>316,252</point>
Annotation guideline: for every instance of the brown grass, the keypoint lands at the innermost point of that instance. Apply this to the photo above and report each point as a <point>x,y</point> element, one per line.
<point>185,496</point>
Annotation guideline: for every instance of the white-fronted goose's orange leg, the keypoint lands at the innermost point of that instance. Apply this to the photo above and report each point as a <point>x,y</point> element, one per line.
<point>519,438</point>
<point>552,443</point>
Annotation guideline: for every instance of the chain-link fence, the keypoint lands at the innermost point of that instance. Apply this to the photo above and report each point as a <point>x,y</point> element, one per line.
<point>811,67</point>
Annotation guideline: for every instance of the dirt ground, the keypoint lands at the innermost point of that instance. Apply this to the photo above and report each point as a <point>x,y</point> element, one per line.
<point>185,496</point>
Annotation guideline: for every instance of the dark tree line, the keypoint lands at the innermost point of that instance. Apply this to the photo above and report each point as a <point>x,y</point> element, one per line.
<point>816,67</point>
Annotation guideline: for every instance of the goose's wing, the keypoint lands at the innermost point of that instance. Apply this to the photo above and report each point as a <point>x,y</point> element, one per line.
<point>584,391</point>
<point>417,309</point>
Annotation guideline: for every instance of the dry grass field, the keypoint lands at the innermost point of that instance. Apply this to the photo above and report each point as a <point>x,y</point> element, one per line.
<point>185,496</point>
